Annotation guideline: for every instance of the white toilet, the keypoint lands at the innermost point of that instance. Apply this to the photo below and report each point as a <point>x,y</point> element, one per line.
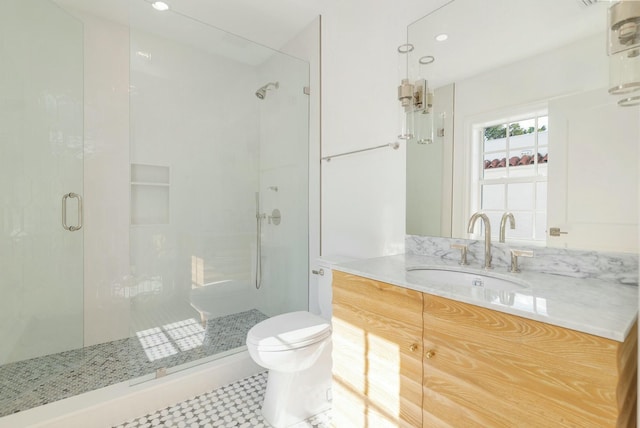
<point>296,349</point>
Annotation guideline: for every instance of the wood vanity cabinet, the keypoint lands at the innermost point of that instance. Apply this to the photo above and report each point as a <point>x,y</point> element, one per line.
<point>377,354</point>
<point>407,359</point>
<point>485,368</point>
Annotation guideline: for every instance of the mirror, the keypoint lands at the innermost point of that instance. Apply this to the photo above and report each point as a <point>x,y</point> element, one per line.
<point>544,82</point>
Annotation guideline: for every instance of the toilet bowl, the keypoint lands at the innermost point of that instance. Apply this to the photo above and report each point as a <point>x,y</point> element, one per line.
<point>296,349</point>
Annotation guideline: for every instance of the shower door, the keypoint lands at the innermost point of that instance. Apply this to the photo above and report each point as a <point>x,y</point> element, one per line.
<point>41,161</point>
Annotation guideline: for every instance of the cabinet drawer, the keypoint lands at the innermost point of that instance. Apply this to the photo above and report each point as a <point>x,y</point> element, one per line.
<point>392,302</point>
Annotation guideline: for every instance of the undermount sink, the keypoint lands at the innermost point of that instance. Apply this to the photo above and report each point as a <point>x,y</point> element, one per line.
<point>439,276</point>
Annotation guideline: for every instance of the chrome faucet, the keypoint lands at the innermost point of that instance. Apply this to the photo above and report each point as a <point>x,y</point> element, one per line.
<point>487,236</point>
<point>503,223</point>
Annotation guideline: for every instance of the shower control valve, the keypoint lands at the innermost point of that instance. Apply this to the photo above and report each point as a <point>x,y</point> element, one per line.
<point>275,217</point>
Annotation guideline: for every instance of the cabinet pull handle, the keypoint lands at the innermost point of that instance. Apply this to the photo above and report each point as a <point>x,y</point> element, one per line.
<point>413,347</point>
<point>430,354</point>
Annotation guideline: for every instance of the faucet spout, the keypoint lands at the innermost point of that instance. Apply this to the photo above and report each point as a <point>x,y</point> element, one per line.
<point>487,236</point>
<point>503,224</point>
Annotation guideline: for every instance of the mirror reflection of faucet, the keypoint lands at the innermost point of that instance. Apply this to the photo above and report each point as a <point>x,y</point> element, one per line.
<point>503,223</point>
<point>487,236</point>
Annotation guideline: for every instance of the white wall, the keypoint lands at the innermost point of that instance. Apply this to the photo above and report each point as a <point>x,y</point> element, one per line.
<point>363,195</point>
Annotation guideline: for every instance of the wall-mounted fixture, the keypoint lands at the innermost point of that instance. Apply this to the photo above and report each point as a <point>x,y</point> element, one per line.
<point>416,101</point>
<point>261,93</point>
<point>405,93</point>
<point>624,50</point>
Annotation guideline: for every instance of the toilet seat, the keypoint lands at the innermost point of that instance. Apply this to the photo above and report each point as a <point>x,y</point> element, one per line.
<point>288,331</point>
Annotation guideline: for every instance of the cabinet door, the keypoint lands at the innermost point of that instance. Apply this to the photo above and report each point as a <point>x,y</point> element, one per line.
<point>490,369</point>
<point>377,354</point>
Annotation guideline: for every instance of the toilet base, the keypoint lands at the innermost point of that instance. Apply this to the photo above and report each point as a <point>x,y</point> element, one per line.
<point>293,397</point>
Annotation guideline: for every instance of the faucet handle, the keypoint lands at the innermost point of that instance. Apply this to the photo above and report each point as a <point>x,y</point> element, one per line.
<point>514,258</point>
<point>463,253</point>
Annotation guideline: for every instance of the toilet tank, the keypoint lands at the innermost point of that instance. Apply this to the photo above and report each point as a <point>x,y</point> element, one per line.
<point>324,269</point>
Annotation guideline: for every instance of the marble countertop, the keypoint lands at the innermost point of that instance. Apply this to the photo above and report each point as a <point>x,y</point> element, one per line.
<point>593,306</point>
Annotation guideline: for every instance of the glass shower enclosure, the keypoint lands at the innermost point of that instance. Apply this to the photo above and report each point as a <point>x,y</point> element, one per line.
<point>216,152</point>
<point>219,189</point>
<point>41,180</point>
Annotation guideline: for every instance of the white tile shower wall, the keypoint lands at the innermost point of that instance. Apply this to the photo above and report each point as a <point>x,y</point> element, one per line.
<point>106,172</point>
<point>106,180</point>
<point>614,267</point>
<point>197,114</point>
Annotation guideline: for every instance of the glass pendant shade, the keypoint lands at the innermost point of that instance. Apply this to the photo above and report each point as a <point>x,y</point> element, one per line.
<point>405,94</point>
<point>624,47</point>
<point>624,72</point>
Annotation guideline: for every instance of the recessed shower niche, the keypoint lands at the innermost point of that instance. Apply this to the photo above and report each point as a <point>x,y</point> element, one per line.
<point>150,194</point>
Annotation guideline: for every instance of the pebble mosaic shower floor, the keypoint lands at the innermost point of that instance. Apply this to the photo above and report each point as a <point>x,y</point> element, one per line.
<point>234,405</point>
<point>37,381</point>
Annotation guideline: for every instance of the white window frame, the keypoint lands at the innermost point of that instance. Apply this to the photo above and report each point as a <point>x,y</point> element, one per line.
<point>477,172</point>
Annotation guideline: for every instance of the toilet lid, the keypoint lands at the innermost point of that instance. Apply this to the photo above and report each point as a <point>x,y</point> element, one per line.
<point>288,331</point>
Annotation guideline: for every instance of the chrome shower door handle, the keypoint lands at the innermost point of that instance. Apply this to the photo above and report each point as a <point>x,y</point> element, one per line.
<point>64,212</point>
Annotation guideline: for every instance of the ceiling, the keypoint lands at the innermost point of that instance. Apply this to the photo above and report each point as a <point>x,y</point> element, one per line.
<point>482,33</point>
<point>273,22</point>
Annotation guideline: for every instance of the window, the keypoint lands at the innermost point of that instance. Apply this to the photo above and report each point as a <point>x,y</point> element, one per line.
<point>511,159</point>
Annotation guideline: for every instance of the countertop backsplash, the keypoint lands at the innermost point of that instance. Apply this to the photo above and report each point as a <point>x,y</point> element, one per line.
<point>621,268</point>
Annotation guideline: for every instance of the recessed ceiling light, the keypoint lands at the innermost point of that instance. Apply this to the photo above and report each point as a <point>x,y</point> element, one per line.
<point>160,5</point>
<point>442,37</point>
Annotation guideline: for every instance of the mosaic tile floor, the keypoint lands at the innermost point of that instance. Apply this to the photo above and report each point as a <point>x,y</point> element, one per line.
<point>234,405</point>
<point>31,383</point>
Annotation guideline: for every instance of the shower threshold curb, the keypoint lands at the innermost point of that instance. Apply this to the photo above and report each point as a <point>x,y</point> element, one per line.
<point>126,400</point>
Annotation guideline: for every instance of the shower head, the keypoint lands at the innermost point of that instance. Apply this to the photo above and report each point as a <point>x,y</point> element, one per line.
<point>261,93</point>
